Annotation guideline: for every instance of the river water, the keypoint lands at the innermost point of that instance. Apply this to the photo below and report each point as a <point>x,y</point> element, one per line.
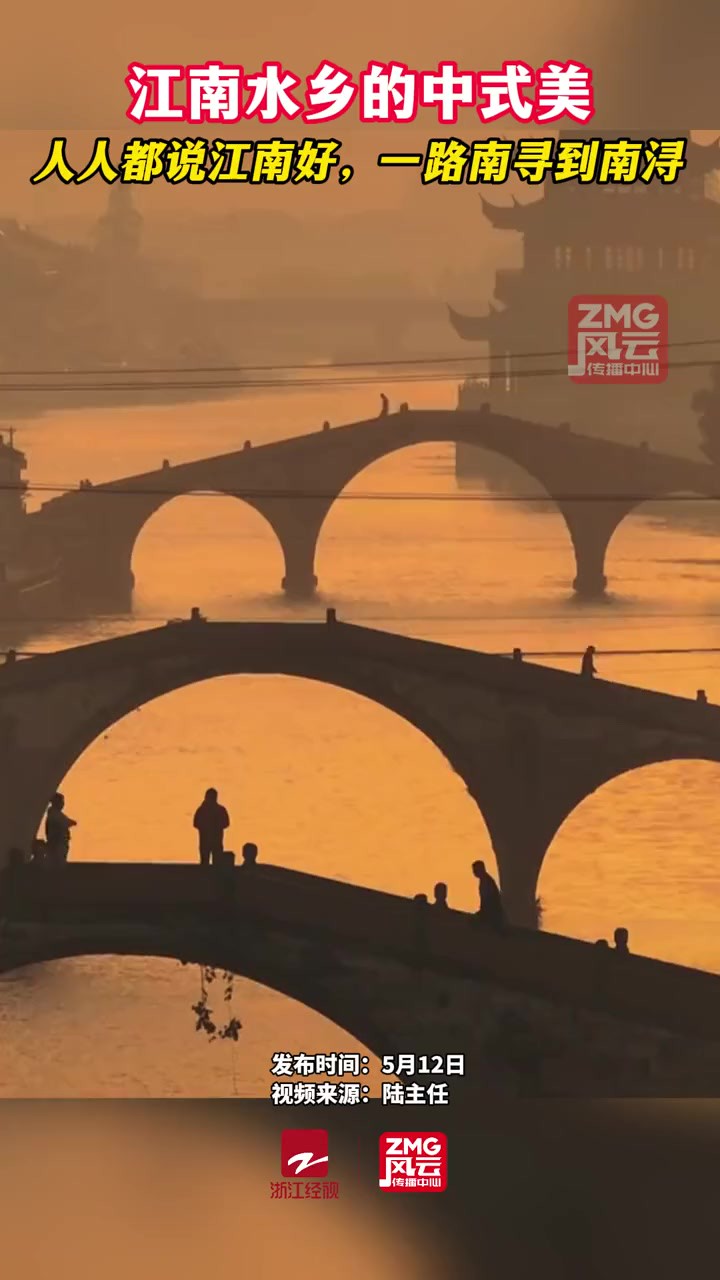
<point>325,781</point>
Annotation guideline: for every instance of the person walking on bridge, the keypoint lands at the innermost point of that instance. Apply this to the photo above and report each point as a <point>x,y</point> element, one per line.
<point>211,821</point>
<point>492,911</point>
<point>384,405</point>
<point>57,831</point>
<point>587,666</point>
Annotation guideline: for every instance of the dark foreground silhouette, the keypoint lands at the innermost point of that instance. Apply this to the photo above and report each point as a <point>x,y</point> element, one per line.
<point>211,821</point>
<point>57,831</point>
<point>492,912</point>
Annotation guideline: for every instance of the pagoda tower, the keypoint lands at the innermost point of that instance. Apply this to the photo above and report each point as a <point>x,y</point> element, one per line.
<point>583,238</point>
<point>119,231</point>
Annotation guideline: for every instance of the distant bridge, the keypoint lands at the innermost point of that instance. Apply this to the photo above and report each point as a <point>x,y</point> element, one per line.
<point>534,1014</point>
<point>530,743</point>
<point>293,483</point>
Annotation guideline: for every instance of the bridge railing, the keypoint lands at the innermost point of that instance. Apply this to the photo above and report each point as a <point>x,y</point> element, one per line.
<point>651,707</point>
<point>552,967</point>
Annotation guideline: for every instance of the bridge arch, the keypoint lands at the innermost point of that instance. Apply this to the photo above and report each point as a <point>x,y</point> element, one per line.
<point>373,688</point>
<point>630,846</point>
<point>304,972</point>
<point>97,551</point>
<point>585,478</point>
<point>441,491</point>
<point>210,541</point>
<point>646,508</point>
<point>136,511</point>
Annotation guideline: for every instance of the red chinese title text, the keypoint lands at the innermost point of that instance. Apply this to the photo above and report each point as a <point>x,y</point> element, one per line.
<point>389,93</point>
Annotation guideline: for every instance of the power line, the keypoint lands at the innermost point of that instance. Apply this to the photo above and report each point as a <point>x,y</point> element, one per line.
<point>379,495</point>
<point>295,383</point>
<point>309,365</point>
<point>527,653</point>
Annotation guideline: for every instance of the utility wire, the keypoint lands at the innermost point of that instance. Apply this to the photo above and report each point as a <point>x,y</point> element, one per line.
<point>527,653</point>
<point>313,367</point>
<point>364,495</point>
<point>295,383</point>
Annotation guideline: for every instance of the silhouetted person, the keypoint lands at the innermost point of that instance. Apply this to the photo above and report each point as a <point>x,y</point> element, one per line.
<point>587,666</point>
<point>404,407</point>
<point>621,942</point>
<point>517,655</point>
<point>211,821</point>
<point>492,912</point>
<point>249,855</point>
<point>440,898</point>
<point>326,426</point>
<point>421,899</point>
<point>57,830</point>
<point>701,696</point>
<point>384,405</point>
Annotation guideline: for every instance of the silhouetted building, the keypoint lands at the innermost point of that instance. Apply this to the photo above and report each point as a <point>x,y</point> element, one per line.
<point>119,231</point>
<point>12,494</point>
<point>587,238</point>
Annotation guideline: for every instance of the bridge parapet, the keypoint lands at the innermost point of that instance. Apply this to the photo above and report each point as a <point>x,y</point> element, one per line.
<point>631,988</point>
<point>594,483</point>
<point>529,743</point>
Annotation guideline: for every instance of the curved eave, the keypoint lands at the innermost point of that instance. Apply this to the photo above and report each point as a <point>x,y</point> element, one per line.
<point>472,328</point>
<point>504,217</point>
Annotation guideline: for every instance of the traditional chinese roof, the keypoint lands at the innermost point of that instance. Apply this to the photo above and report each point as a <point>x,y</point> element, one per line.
<point>506,217</point>
<point>474,328</point>
<point>645,213</point>
<point>702,159</point>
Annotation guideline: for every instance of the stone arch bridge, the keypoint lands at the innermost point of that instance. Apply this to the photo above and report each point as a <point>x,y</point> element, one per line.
<point>534,1014</point>
<point>293,483</point>
<point>529,743</point>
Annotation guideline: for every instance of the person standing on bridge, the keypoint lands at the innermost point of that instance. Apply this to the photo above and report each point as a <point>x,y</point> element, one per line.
<point>57,831</point>
<point>211,821</point>
<point>440,893</point>
<point>621,939</point>
<point>492,912</point>
<point>384,405</point>
<point>587,666</point>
